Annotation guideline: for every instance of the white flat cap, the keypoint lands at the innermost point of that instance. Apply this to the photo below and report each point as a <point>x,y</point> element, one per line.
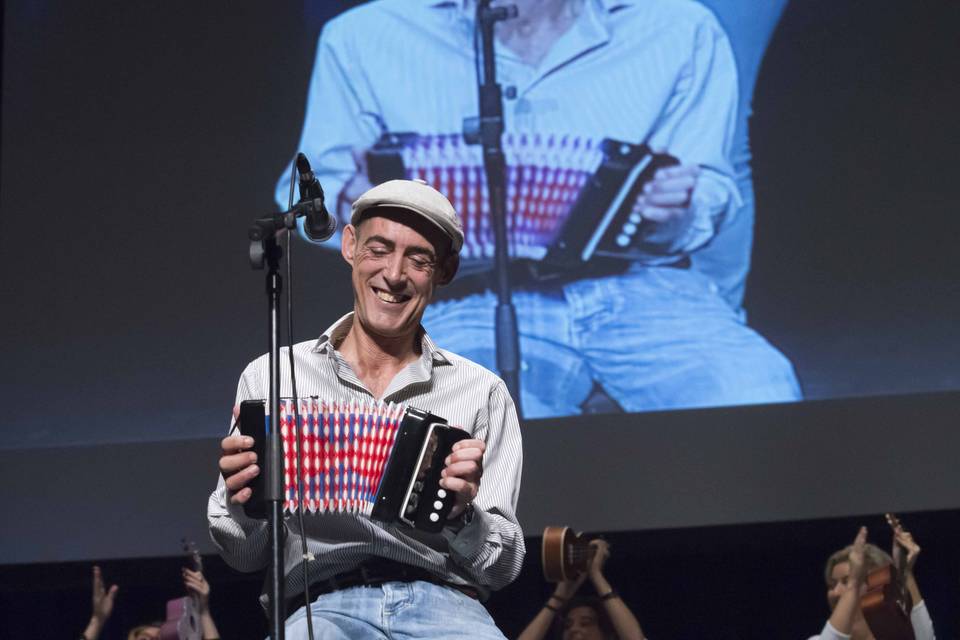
<point>416,196</point>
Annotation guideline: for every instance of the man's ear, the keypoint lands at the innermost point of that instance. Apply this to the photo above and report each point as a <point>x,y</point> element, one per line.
<point>448,269</point>
<point>348,243</point>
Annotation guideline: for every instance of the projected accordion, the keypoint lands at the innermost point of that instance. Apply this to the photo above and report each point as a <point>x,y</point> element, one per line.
<point>382,461</point>
<point>569,199</point>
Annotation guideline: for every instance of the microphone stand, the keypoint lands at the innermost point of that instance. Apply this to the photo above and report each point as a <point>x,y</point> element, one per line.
<point>490,137</point>
<point>264,250</point>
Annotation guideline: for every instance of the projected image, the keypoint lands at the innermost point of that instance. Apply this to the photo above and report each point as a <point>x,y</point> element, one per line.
<point>799,243</point>
<point>629,194</point>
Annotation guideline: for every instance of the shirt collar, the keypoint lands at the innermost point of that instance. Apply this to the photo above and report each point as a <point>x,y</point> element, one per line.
<point>464,5</point>
<point>331,339</point>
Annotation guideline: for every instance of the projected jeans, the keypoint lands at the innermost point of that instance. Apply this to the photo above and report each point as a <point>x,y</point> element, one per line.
<point>654,338</point>
<point>395,610</point>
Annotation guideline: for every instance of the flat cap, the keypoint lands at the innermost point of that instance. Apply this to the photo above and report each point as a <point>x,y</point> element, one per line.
<point>416,196</point>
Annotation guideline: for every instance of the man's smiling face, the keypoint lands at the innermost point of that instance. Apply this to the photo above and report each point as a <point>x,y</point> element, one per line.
<point>395,269</point>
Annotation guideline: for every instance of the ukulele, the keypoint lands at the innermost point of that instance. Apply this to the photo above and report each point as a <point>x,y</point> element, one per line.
<point>183,614</point>
<point>565,554</point>
<point>886,604</point>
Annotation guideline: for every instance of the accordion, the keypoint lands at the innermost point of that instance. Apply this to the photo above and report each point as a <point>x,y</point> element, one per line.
<point>569,199</point>
<point>381,461</point>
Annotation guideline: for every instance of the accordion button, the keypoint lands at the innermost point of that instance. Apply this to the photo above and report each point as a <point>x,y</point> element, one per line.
<point>434,517</point>
<point>438,505</point>
<point>441,493</point>
<point>623,240</point>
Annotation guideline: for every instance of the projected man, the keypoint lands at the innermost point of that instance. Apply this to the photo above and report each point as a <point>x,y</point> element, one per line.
<point>654,333</point>
<point>845,575</point>
<point>403,241</point>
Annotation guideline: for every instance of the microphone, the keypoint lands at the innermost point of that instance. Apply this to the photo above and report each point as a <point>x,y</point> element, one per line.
<point>318,224</point>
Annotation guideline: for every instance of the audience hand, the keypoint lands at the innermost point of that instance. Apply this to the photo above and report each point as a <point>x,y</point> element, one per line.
<point>102,606</point>
<point>197,585</point>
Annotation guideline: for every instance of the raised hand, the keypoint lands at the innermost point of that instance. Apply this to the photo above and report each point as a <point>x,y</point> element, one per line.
<point>198,586</point>
<point>903,542</point>
<point>599,554</point>
<point>101,606</point>
<point>103,598</point>
<point>857,558</point>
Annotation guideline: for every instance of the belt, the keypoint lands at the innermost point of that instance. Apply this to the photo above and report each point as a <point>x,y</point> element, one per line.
<point>374,573</point>
<point>528,274</point>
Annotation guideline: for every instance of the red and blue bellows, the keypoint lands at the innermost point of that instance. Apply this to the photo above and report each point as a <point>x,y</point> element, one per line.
<point>545,174</point>
<point>346,445</point>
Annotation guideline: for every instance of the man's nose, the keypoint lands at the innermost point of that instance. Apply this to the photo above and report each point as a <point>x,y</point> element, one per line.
<point>395,271</point>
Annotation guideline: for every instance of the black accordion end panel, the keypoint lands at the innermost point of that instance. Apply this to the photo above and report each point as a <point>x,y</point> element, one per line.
<point>571,201</point>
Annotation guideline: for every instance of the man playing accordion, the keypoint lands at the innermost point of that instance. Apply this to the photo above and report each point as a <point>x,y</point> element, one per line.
<point>403,242</point>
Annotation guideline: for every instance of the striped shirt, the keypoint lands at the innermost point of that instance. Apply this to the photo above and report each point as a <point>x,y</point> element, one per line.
<point>486,554</point>
<point>660,71</point>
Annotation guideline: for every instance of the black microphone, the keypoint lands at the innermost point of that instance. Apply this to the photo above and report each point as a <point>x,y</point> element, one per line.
<point>318,224</point>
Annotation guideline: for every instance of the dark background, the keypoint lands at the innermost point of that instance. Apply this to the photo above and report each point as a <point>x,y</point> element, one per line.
<point>139,139</point>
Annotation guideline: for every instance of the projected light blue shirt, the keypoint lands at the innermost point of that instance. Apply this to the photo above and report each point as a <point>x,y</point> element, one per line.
<point>624,70</point>
<point>660,71</point>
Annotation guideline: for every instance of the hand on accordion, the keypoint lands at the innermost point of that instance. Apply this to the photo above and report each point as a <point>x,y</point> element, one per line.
<point>238,464</point>
<point>666,198</point>
<point>464,467</point>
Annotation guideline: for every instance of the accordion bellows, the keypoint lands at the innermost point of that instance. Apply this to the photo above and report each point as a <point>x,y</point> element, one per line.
<point>346,445</point>
<point>545,174</point>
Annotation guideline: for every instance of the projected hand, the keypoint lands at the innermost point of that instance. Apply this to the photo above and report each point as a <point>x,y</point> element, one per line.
<point>462,472</point>
<point>665,201</point>
<point>355,186</point>
<point>237,464</point>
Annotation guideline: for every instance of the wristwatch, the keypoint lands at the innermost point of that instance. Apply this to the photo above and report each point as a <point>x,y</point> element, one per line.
<point>465,518</point>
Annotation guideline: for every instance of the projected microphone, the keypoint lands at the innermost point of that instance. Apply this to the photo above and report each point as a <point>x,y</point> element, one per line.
<point>318,224</point>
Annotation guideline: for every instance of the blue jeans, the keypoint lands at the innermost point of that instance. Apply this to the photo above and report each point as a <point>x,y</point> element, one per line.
<point>395,611</point>
<point>653,338</point>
